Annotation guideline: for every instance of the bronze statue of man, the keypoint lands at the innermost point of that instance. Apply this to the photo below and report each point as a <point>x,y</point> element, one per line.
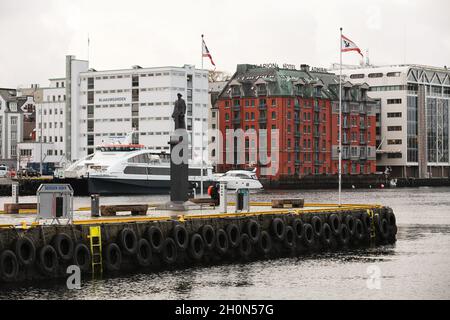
<point>178,113</point>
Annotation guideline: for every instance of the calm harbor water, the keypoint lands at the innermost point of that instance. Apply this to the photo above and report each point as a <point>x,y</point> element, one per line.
<point>416,267</point>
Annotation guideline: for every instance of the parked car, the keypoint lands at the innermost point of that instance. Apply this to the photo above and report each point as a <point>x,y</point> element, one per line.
<point>27,172</point>
<point>4,171</point>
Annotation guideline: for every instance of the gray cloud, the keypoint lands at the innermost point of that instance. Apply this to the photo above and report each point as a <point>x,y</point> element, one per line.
<point>36,35</point>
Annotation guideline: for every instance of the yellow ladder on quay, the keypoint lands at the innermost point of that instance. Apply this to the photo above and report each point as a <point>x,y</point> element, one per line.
<point>95,237</point>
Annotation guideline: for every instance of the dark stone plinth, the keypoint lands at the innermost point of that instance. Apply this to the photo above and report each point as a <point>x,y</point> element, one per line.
<point>179,183</point>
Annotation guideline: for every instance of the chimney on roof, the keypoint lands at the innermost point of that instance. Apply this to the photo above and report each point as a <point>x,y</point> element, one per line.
<point>304,67</point>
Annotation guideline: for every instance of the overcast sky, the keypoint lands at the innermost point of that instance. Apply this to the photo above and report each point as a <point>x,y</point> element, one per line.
<point>35,36</point>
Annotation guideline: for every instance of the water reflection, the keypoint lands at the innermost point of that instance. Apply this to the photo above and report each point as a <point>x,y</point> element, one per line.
<point>417,267</point>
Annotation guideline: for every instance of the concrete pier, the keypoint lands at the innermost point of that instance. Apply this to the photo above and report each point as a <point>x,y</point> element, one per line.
<point>32,251</point>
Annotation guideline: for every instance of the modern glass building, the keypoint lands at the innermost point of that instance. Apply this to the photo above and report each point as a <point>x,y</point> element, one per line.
<point>413,126</point>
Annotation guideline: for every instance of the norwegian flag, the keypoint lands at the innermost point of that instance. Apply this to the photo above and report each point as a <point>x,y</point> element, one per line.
<point>205,52</point>
<point>348,45</point>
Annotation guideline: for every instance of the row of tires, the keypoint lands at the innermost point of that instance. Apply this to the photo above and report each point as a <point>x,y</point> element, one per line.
<point>24,255</point>
<point>246,239</point>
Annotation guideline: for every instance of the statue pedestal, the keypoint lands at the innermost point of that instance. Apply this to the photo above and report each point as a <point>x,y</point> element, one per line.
<point>179,183</point>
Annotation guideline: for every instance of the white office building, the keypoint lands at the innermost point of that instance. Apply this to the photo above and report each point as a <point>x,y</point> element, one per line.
<point>50,123</point>
<point>414,120</point>
<point>101,106</point>
<point>104,105</point>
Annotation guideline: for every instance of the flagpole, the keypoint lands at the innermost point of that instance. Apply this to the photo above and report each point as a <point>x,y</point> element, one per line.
<point>340,118</point>
<point>201,168</point>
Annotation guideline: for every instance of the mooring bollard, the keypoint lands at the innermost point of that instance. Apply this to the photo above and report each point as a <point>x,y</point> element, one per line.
<point>95,205</point>
<point>223,197</point>
<point>15,193</point>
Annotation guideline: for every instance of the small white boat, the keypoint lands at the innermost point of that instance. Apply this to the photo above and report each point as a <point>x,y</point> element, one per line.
<point>237,179</point>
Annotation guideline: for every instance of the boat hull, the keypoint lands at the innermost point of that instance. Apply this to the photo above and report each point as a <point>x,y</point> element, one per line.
<point>114,186</point>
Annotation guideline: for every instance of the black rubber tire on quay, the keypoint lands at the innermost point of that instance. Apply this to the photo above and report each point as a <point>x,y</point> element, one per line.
<point>209,236</point>
<point>359,230</point>
<point>350,222</point>
<point>221,242</point>
<point>326,235</point>
<point>169,251</point>
<point>253,230</point>
<point>144,255</point>
<point>155,238</point>
<point>63,245</point>
<point>9,266</point>
<point>25,251</point>
<point>308,235</point>
<point>297,225</point>
<point>112,256</point>
<point>264,243</point>
<point>196,247</point>
<point>48,260</point>
<point>316,223</point>
<point>234,235</point>
<point>289,238</point>
<point>335,223</point>
<point>344,235</point>
<point>245,246</point>
<point>383,229</point>
<point>128,241</point>
<point>278,229</point>
<point>180,236</point>
<point>82,257</point>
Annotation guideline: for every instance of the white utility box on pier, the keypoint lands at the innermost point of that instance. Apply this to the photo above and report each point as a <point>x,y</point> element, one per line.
<point>55,201</point>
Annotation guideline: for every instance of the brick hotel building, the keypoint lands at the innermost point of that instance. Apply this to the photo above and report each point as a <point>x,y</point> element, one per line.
<point>304,106</point>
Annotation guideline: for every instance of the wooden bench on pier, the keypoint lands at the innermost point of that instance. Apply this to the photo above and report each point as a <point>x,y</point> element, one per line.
<point>135,209</point>
<point>13,208</point>
<point>204,202</point>
<point>294,203</point>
